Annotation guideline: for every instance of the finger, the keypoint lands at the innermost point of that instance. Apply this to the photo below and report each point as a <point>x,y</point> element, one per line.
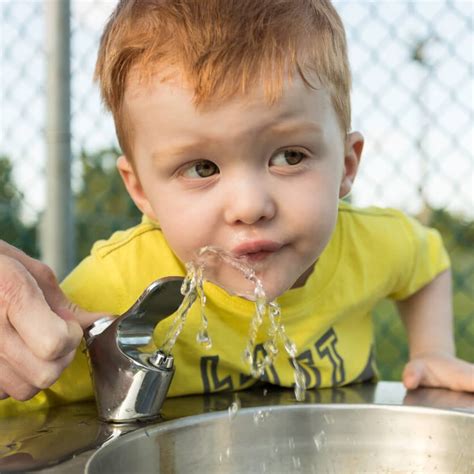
<point>412,374</point>
<point>58,301</point>
<point>11,385</point>
<point>461,376</point>
<point>73,312</point>
<point>43,275</point>
<point>16,254</point>
<point>22,304</point>
<point>48,284</point>
<point>36,372</point>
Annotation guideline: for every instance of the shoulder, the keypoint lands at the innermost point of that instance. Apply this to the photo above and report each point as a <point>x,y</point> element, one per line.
<point>392,226</point>
<point>139,253</point>
<point>125,241</point>
<point>377,235</point>
<point>376,224</point>
<point>394,244</point>
<point>371,215</point>
<point>118,269</point>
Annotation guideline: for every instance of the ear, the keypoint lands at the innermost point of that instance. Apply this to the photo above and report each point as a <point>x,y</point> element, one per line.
<point>134,187</point>
<point>352,154</point>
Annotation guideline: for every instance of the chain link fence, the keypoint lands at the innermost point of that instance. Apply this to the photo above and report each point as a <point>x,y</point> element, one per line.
<point>413,74</point>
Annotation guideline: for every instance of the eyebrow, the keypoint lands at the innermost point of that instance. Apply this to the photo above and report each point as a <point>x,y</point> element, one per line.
<point>277,126</point>
<point>295,125</point>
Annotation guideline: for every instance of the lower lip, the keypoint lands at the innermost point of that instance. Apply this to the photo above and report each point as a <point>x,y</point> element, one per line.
<point>257,256</point>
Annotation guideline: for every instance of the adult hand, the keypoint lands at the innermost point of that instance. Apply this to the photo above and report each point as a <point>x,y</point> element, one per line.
<point>39,328</point>
<point>439,370</point>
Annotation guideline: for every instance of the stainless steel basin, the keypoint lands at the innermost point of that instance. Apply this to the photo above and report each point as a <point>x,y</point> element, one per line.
<point>305,438</point>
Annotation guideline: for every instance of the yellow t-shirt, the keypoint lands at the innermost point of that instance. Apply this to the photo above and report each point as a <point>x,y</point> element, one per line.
<point>374,253</point>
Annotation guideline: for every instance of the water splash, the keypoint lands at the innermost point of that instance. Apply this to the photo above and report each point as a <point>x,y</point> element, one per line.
<point>233,409</point>
<point>202,336</point>
<point>203,268</point>
<point>190,293</point>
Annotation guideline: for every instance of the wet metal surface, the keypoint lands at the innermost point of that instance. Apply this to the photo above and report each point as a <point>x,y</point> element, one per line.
<point>62,439</point>
<point>299,439</point>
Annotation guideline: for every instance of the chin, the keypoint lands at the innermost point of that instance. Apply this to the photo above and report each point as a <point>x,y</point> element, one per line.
<point>274,289</point>
<point>247,290</point>
<point>275,279</point>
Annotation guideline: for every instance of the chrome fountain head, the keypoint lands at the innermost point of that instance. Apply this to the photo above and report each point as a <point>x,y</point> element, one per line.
<point>131,376</point>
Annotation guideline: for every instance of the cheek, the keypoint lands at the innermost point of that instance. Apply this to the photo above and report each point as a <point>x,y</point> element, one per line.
<point>186,225</point>
<point>319,219</point>
<point>314,211</point>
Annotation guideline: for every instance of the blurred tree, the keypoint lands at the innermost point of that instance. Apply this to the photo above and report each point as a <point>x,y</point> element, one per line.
<point>12,229</point>
<point>102,204</point>
<point>456,230</point>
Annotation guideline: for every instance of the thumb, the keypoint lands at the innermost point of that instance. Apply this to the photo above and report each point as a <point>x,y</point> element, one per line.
<point>60,304</point>
<point>412,374</point>
<point>73,312</point>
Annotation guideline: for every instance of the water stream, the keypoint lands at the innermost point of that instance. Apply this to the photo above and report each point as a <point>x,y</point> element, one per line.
<point>200,270</point>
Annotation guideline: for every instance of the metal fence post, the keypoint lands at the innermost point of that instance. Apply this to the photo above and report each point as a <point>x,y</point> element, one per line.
<point>57,244</point>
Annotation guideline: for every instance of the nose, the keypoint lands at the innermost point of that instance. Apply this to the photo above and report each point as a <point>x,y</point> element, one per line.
<point>248,201</point>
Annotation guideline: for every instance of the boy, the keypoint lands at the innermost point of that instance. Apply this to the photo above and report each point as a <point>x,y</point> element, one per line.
<point>234,121</point>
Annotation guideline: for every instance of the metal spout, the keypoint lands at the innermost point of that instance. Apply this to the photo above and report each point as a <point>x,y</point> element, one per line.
<point>130,381</point>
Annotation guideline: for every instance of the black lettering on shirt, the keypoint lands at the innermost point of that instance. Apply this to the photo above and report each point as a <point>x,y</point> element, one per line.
<point>326,347</point>
<point>369,372</point>
<point>210,378</point>
<point>244,379</point>
<point>305,361</point>
<point>269,375</point>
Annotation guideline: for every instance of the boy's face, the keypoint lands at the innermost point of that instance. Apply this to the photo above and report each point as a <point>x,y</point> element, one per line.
<point>261,181</point>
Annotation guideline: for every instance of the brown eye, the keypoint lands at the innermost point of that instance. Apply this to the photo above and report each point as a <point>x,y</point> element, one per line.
<point>293,157</point>
<point>201,169</point>
<point>287,157</point>
<point>206,168</point>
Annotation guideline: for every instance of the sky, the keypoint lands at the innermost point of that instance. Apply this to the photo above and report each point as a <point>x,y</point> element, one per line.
<point>417,119</point>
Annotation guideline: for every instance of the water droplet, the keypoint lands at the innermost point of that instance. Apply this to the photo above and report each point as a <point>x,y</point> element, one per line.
<point>329,419</point>
<point>296,462</point>
<point>300,393</point>
<point>270,347</point>
<point>290,347</point>
<point>258,417</point>
<point>233,409</point>
<point>300,379</point>
<point>247,356</point>
<point>319,440</point>
<point>203,338</point>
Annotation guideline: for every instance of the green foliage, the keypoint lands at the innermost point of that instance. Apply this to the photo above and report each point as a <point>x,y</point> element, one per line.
<point>456,231</point>
<point>102,204</point>
<point>12,229</point>
<point>458,236</point>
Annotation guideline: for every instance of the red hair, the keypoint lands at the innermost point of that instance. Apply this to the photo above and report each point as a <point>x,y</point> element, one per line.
<point>223,48</point>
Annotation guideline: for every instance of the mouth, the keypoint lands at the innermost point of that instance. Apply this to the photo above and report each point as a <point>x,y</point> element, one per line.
<point>257,250</point>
